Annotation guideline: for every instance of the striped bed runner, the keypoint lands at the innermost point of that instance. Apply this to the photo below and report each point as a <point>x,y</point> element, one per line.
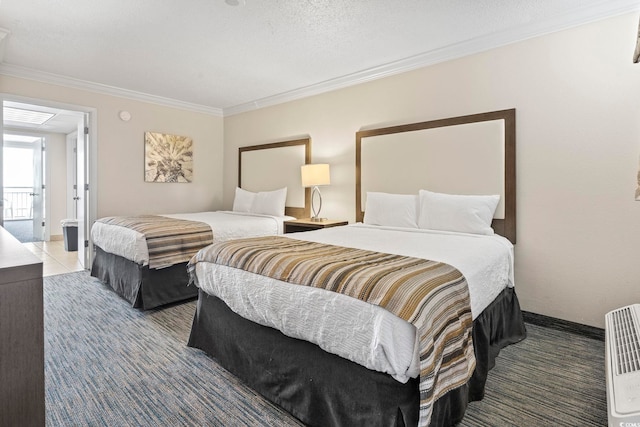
<point>433,296</point>
<point>169,241</point>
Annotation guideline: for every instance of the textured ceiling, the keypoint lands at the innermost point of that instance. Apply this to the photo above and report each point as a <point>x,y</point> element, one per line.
<point>207,53</point>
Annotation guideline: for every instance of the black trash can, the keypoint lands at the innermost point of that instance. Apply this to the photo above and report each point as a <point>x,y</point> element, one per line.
<point>70,232</point>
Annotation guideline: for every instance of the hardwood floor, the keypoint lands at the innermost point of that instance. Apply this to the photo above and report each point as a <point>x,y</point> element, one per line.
<point>55,259</point>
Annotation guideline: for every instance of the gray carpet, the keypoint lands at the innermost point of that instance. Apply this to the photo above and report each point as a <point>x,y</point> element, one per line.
<point>552,378</point>
<point>107,364</point>
<point>21,229</point>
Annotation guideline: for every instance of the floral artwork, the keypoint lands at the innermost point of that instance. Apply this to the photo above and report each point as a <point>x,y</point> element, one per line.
<point>167,158</point>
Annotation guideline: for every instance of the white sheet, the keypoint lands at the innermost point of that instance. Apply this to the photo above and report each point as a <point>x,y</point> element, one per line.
<point>374,338</point>
<point>226,225</point>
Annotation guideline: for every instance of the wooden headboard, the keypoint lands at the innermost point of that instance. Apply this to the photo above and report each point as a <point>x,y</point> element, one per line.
<point>276,165</point>
<point>474,154</point>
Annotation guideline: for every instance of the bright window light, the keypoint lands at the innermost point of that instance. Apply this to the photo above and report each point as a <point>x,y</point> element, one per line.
<point>20,138</point>
<point>18,167</point>
<point>26,116</point>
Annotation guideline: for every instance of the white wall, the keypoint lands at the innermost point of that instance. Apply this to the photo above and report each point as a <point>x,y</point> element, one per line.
<point>121,187</point>
<point>578,145</point>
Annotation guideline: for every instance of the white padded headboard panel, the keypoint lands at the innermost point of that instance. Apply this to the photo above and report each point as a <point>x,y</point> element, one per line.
<point>439,159</point>
<point>272,166</point>
<point>472,154</point>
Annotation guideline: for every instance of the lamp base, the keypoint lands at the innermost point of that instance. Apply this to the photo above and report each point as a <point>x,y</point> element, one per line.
<point>316,191</point>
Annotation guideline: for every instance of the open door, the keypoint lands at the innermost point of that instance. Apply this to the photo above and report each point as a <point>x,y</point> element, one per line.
<point>24,197</point>
<point>72,187</point>
<point>37,195</point>
<point>82,190</point>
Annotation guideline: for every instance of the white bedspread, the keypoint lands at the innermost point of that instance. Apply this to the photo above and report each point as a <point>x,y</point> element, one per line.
<point>374,337</point>
<point>226,225</point>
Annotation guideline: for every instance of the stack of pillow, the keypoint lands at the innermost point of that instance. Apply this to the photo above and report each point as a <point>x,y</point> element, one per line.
<point>432,211</point>
<point>263,202</point>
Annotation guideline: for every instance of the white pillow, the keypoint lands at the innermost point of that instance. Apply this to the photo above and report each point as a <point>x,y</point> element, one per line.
<point>464,214</point>
<point>243,200</point>
<point>270,202</point>
<point>392,210</point>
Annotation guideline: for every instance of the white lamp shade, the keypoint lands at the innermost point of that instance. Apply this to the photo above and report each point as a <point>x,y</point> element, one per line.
<point>313,175</point>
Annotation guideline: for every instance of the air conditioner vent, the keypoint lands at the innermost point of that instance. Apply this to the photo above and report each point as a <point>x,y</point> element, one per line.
<point>626,341</point>
<point>622,365</point>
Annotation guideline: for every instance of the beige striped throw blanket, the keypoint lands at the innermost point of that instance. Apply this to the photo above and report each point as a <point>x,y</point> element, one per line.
<point>433,296</point>
<point>169,240</point>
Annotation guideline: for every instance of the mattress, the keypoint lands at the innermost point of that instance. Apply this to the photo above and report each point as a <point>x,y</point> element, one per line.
<point>375,338</point>
<point>226,225</point>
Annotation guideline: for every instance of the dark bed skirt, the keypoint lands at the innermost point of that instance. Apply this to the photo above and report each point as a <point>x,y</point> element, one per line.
<point>322,389</point>
<point>143,287</point>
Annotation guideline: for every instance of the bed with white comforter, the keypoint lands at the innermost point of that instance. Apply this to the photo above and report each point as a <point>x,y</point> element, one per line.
<point>347,328</point>
<point>122,255</point>
<point>225,225</point>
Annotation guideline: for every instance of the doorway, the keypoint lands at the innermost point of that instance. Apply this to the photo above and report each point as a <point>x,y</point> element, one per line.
<point>59,121</point>
<point>24,186</point>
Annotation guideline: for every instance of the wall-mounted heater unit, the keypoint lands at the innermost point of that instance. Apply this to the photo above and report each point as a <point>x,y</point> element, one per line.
<point>622,359</point>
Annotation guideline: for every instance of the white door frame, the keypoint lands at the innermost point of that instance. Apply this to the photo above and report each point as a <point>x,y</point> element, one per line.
<point>82,193</point>
<point>40,197</point>
<point>92,162</point>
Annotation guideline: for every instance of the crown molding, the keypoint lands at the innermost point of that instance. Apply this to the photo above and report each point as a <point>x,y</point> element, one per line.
<point>604,9</point>
<point>44,77</point>
<point>594,12</point>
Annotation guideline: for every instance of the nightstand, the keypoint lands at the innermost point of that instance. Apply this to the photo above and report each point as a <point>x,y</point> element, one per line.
<point>306,224</point>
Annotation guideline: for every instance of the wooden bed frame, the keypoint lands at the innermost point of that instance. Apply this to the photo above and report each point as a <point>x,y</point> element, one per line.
<point>147,288</point>
<point>322,389</point>
<point>261,184</point>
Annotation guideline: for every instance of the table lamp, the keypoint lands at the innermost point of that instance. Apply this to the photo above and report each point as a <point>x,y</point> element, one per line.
<point>315,175</point>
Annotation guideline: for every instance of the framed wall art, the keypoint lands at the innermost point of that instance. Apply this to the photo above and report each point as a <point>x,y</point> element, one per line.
<point>167,158</point>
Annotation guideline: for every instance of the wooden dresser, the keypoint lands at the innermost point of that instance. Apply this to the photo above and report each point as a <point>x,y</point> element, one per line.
<point>21,335</point>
